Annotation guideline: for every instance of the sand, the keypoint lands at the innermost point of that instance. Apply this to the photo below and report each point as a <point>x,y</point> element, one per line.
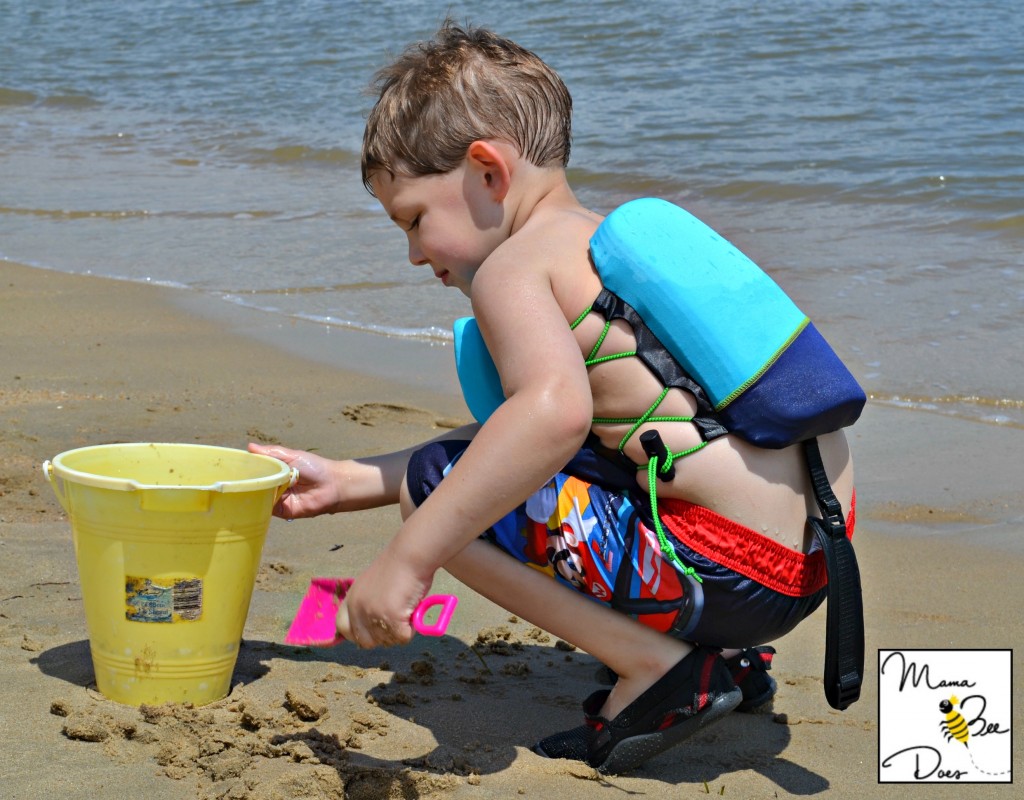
<point>86,360</point>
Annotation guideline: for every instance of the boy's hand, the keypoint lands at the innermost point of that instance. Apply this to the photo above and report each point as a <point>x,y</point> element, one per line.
<point>315,492</point>
<point>379,605</point>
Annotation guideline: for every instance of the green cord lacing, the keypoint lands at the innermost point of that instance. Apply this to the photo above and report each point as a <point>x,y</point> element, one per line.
<point>667,550</point>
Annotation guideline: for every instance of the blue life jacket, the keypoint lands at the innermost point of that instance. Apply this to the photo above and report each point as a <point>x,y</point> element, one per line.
<point>708,320</point>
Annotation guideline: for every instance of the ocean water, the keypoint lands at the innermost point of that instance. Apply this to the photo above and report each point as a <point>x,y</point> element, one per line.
<point>870,156</point>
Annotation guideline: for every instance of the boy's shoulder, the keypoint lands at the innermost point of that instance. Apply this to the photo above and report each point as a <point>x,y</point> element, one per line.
<point>550,237</point>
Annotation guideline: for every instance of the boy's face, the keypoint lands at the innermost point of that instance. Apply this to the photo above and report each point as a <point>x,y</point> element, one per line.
<point>450,225</point>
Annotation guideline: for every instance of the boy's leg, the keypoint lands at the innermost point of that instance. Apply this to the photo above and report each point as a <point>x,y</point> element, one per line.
<point>666,690</point>
<point>638,654</point>
<point>749,669</point>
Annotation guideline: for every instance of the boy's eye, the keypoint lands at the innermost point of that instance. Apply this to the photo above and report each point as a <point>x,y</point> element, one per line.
<point>414,224</point>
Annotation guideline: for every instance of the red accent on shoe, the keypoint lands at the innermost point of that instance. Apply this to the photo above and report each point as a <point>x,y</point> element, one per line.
<point>705,683</point>
<point>750,672</point>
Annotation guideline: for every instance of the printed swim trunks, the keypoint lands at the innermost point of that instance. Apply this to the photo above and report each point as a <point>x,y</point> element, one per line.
<point>587,528</point>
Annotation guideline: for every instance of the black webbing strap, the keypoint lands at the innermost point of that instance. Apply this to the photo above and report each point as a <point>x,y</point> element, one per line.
<point>844,624</point>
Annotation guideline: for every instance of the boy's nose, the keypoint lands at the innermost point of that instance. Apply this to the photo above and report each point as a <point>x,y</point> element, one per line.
<point>416,257</point>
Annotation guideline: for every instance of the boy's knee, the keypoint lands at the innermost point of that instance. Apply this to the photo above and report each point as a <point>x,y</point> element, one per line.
<point>428,466</point>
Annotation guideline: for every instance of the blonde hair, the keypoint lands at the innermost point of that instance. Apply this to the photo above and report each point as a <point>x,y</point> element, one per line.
<point>441,95</point>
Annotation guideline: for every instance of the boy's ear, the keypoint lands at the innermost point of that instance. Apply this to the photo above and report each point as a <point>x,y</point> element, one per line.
<point>488,161</point>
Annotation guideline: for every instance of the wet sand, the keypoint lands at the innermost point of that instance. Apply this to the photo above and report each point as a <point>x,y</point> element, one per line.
<point>88,361</point>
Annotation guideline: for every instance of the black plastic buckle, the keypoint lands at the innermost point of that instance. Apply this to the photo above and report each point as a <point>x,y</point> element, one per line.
<point>847,691</point>
<point>655,448</point>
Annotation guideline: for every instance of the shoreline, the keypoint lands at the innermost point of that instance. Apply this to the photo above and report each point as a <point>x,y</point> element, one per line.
<point>416,363</point>
<point>88,360</point>
<point>409,361</point>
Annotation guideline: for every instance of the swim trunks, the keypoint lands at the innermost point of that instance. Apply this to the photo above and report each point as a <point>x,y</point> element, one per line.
<point>587,527</point>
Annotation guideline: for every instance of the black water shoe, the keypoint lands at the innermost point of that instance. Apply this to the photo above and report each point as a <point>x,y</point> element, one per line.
<point>695,693</point>
<point>750,672</point>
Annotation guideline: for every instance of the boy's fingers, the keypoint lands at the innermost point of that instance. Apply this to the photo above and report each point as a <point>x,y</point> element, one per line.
<point>346,629</point>
<point>285,507</point>
<point>402,633</point>
<point>379,633</point>
<point>386,634</point>
<point>274,451</point>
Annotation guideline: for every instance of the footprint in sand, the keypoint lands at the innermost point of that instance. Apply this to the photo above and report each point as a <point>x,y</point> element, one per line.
<point>371,414</point>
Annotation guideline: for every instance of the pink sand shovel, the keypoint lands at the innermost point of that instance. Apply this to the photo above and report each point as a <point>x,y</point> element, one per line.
<point>314,625</point>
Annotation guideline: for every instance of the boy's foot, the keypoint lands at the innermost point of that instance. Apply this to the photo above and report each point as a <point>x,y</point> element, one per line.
<point>695,693</point>
<point>749,671</point>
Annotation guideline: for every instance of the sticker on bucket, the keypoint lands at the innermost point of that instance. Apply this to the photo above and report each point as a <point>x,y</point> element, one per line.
<point>163,600</point>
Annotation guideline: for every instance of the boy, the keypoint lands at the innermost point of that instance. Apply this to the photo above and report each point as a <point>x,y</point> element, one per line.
<point>466,151</point>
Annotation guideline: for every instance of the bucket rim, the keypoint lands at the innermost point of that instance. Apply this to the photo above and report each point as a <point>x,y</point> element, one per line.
<point>283,475</point>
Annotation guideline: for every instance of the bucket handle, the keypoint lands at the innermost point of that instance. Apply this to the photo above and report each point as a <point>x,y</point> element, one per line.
<point>57,484</point>
<point>284,487</point>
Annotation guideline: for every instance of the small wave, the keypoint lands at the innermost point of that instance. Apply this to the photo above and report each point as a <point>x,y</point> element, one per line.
<point>325,289</point>
<point>68,214</point>
<point>20,97</point>
<point>842,118</point>
<point>133,213</point>
<point>749,191</point>
<point>16,97</point>
<point>71,101</point>
<point>149,281</point>
<point>1012,224</point>
<point>300,154</point>
<point>1001,411</point>
<point>429,334</point>
<point>617,185</point>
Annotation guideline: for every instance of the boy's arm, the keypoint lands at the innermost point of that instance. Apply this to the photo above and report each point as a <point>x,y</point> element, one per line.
<point>326,486</point>
<point>531,436</point>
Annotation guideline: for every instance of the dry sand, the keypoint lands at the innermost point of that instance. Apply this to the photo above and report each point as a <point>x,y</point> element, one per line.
<point>88,361</point>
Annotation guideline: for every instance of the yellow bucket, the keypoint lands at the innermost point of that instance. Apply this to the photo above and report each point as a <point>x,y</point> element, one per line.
<point>168,539</point>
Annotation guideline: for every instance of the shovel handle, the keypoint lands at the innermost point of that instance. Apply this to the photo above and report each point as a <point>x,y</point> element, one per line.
<point>447,602</point>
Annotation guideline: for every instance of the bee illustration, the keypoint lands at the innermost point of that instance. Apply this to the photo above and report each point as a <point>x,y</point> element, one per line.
<point>954,725</point>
